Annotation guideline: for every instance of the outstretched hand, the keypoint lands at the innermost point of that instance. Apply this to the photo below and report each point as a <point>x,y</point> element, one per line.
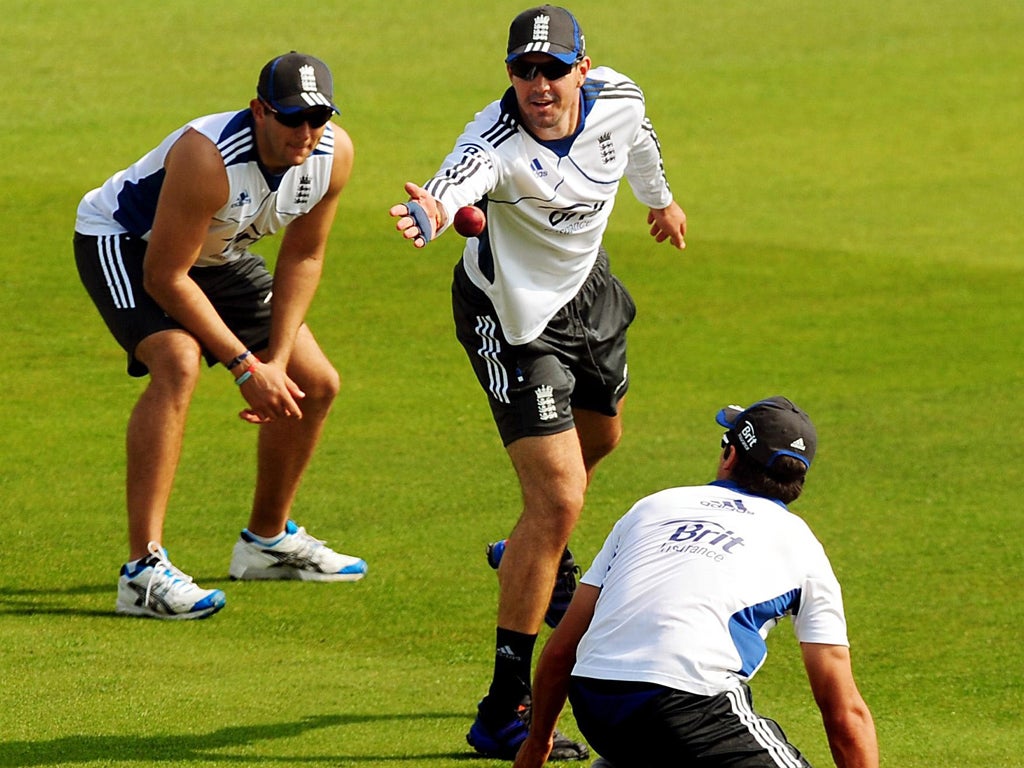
<point>420,219</point>
<point>668,223</point>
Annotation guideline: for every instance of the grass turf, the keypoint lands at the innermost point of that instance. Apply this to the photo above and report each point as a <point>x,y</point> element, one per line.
<point>852,177</point>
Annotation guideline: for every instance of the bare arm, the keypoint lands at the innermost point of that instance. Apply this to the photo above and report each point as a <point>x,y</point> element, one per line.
<point>846,717</point>
<point>300,260</point>
<point>195,187</point>
<point>551,680</point>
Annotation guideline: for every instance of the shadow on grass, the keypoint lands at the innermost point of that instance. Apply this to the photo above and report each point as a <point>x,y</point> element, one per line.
<point>215,747</point>
<point>54,601</point>
<point>24,601</point>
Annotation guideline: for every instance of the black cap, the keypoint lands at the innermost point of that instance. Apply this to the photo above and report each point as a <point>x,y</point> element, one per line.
<point>768,429</point>
<point>294,82</point>
<point>546,29</point>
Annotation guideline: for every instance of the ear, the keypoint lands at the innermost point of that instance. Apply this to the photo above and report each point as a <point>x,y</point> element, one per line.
<point>729,457</point>
<point>584,67</point>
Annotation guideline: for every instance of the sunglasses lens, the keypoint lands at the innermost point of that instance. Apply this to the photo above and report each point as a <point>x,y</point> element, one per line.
<point>315,119</point>
<point>554,70</point>
<point>319,119</point>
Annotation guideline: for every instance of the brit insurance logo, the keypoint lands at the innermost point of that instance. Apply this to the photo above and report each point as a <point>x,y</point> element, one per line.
<point>575,217</point>
<point>702,538</point>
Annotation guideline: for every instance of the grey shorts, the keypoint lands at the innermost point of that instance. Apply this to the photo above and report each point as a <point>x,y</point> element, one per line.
<point>110,267</point>
<point>639,724</point>
<point>579,361</point>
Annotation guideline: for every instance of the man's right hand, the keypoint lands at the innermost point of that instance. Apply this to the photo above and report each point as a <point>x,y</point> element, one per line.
<point>271,394</point>
<point>421,225</point>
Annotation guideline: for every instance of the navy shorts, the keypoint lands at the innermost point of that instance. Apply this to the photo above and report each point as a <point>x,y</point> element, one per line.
<point>110,267</point>
<point>579,361</point>
<point>642,725</point>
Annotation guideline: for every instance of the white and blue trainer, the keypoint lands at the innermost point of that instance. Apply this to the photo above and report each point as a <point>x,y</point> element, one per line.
<point>294,555</point>
<point>154,588</point>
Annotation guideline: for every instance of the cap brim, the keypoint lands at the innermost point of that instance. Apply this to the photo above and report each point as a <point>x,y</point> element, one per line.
<point>309,100</point>
<point>728,415</point>
<point>564,56</point>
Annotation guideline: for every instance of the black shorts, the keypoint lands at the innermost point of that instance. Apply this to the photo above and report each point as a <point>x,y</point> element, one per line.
<point>641,725</point>
<point>110,267</point>
<point>579,361</point>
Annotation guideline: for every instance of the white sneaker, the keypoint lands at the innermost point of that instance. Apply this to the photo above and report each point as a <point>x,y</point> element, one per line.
<point>156,589</point>
<point>296,556</point>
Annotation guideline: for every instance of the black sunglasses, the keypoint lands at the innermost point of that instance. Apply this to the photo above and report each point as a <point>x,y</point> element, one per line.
<point>315,118</point>
<point>528,70</point>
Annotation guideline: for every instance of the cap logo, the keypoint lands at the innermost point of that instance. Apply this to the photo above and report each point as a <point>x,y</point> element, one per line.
<point>307,77</point>
<point>798,444</point>
<point>540,27</point>
<point>747,436</point>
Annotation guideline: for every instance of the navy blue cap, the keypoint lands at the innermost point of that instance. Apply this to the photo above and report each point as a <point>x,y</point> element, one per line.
<point>768,429</point>
<point>294,82</point>
<point>546,29</point>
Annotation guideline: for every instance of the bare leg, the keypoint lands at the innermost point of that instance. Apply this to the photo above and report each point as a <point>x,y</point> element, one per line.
<point>553,481</point>
<point>599,435</point>
<point>286,445</point>
<point>155,431</point>
<point>554,473</point>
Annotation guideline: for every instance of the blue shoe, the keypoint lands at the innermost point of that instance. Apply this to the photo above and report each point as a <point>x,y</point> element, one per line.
<point>565,581</point>
<point>502,741</point>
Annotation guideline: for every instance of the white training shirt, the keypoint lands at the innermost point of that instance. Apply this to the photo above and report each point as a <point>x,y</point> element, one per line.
<point>548,202</point>
<point>258,204</point>
<point>692,580</point>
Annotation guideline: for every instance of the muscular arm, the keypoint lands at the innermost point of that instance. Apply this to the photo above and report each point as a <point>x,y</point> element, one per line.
<point>846,717</point>
<point>551,680</point>
<point>300,260</point>
<point>194,189</point>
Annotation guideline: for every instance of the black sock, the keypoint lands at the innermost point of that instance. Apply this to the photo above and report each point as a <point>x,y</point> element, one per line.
<point>513,659</point>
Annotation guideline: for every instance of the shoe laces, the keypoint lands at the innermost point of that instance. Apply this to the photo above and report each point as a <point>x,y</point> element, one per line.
<point>306,544</point>
<point>162,563</point>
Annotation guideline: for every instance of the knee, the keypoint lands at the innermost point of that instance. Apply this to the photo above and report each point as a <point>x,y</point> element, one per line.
<point>558,506</point>
<point>322,387</point>
<point>174,367</point>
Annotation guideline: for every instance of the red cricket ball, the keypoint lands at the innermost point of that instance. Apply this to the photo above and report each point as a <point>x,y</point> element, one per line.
<point>469,221</point>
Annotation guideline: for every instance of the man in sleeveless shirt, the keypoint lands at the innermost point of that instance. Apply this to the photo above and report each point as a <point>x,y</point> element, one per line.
<point>163,249</point>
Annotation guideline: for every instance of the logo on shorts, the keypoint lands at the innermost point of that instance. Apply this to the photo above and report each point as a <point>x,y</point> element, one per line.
<point>546,409</point>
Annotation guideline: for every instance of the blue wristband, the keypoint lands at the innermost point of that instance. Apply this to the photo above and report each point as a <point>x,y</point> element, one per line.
<point>422,220</point>
<point>238,360</point>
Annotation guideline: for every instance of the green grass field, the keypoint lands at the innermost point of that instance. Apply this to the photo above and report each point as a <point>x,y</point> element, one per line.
<point>852,175</point>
